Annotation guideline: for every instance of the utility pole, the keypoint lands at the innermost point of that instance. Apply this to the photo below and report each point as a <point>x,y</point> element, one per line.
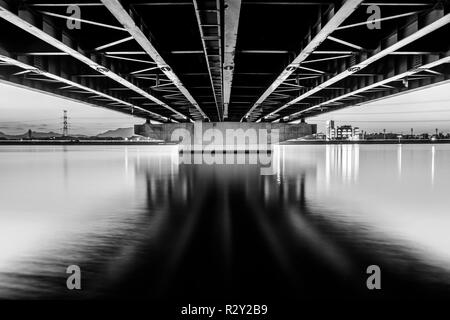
<point>65,125</point>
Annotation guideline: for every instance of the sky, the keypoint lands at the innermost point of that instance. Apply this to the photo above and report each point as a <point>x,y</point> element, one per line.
<point>423,110</point>
<point>22,109</point>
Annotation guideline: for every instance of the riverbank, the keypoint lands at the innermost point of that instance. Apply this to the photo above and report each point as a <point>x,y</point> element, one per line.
<point>81,142</point>
<point>153,143</point>
<point>392,141</point>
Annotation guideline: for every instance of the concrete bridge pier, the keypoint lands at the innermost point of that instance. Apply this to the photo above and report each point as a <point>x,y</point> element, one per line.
<point>226,135</point>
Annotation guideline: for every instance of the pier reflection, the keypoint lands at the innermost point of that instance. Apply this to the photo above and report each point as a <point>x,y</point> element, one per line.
<point>234,232</point>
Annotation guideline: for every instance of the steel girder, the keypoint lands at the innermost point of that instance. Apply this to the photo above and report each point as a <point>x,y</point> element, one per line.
<point>324,27</point>
<point>404,74</point>
<point>25,20</point>
<point>432,21</point>
<point>31,76</point>
<point>136,31</point>
<point>208,14</point>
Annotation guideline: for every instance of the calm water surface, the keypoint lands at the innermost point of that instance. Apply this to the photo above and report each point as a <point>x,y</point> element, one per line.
<point>140,224</point>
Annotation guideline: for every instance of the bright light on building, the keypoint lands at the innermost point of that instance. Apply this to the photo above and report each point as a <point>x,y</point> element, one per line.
<point>345,132</point>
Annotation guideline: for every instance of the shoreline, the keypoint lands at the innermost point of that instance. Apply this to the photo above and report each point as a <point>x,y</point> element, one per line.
<point>159,143</point>
<point>396,141</point>
<point>86,143</point>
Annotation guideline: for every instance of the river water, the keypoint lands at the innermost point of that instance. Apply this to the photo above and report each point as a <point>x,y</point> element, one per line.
<point>140,223</point>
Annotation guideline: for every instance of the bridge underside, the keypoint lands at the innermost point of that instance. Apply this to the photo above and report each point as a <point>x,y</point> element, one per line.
<point>224,60</point>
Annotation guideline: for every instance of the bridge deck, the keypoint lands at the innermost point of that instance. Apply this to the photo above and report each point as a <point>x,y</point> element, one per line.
<point>232,60</point>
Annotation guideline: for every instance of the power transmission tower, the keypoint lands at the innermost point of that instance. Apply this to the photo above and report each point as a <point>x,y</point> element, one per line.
<point>65,125</point>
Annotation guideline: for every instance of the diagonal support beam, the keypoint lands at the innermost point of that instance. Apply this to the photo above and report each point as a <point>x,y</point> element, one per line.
<point>346,43</point>
<point>378,20</point>
<point>334,21</point>
<point>312,70</point>
<point>78,4</point>
<point>393,44</point>
<point>398,4</point>
<point>144,70</point>
<point>114,43</point>
<point>118,11</point>
<point>128,59</point>
<point>231,23</point>
<point>39,33</point>
<point>329,58</point>
<point>81,20</point>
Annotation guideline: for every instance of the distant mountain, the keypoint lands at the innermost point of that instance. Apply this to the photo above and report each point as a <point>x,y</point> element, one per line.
<point>36,135</point>
<point>8,136</point>
<point>117,133</point>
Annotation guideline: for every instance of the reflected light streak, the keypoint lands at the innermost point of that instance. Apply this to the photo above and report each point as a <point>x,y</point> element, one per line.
<point>433,156</point>
<point>341,162</point>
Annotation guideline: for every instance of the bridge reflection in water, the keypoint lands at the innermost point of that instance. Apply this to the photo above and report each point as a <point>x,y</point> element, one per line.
<point>226,231</point>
